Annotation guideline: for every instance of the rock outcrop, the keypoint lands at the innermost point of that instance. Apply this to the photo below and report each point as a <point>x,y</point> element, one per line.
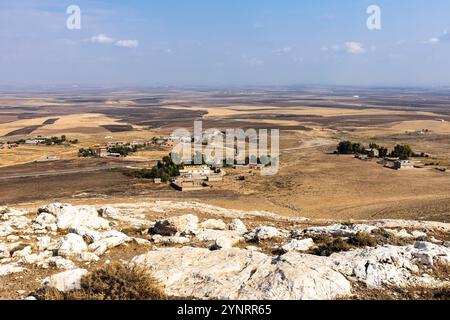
<point>222,259</point>
<point>242,274</point>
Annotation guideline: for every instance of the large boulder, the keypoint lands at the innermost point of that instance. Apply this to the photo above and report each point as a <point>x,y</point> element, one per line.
<point>242,274</point>
<point>298,245</point>
<point>181,225</point>
<point>45,221</point>
<point>221,239</point>
<point>45,218</point>
<point>264,233</point>
<point>238,226</point>
<point>68,216</point>
<point>110,239</point>
<point>65,281</point>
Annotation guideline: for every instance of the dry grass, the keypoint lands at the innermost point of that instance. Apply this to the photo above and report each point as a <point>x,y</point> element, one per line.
<point>440,271</point>
<point>111,282</point>
<point>327,245</point>
<point>400,293</point>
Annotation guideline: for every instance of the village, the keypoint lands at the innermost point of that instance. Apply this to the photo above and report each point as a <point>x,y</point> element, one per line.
<point>401,158</point>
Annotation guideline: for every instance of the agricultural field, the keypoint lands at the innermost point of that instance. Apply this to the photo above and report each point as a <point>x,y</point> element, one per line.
<point>312,181</point>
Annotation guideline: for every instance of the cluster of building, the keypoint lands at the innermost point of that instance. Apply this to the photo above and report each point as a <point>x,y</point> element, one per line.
<point>37,140</point>
<point>368,153</point>
<point>197,177</point>
<point>403,164</point>
<point>102,151</point>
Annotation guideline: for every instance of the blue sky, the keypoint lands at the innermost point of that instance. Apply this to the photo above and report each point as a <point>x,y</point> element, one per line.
<point>219,43</point>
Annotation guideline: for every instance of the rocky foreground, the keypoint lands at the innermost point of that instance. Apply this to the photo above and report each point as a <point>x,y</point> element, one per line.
<point>219,256</point>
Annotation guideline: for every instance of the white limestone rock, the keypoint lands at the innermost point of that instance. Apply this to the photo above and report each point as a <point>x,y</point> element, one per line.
<point>142,242</point>
<point>88,257</point>
<point>298,245</point>
<point>65,281</point>
<point>238,226</point>
<point>340,230</point>
<point>12,238</point>
<point>389,265</point>
<point>242,274</point>
<point>5,230</point>
<point>71,245</point>
<point>46,242</point>
<point>110,239</point>
<point>109,212</point>
<point>68,216</point>
<point>61,263</point>
<point>37,258</point>
<point>264,233</point>
<point>45,219</point>
<point>158,239</point>
<point>214,224</point>
<point>180,225</point>
<point>222,239</point>
<point>22,253</point>
<point>89,235</point>
<point>10,268</point>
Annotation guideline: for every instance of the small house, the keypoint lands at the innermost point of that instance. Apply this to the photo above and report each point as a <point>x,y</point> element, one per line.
<point>200,170</point>
<point>100,151</point>
<point>403,164</point>
<point>373,153</point>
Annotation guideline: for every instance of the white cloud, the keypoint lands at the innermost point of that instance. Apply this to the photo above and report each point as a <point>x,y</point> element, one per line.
<point>445,37</point>
<point>284,50</point>
<point>127,43</point>
<point>350,47</point>
<point>354,47</point>
<point>102,39</point>
<point>433,40</point>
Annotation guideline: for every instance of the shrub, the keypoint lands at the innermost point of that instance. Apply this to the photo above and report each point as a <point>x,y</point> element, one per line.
<point>328,245</point>
<point>164,170</point>
<point>111,282</point>
<point>362,239</point>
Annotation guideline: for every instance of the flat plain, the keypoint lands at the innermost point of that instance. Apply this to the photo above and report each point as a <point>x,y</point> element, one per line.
<point>312,181</point>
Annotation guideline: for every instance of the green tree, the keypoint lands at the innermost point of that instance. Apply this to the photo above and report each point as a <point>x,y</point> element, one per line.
<point>402,151</point>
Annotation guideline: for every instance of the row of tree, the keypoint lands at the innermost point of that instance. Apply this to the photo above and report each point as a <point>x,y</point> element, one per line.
<point>49,141</point>
<point>401,151</point>
<point>164,170</point>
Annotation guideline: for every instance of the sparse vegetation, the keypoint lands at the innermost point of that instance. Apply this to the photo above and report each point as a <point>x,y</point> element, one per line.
<point>400,293</point>
<point>111,282</point>
<point>327,245</point>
